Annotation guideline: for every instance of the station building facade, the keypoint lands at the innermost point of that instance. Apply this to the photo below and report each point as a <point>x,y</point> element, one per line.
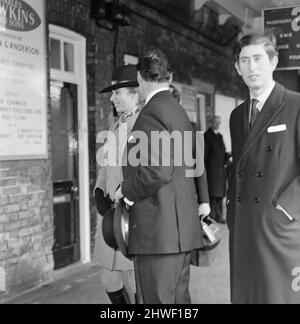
<point>56,57</point>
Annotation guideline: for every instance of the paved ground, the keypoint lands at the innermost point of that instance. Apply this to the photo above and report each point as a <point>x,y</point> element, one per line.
<point>208,285</point>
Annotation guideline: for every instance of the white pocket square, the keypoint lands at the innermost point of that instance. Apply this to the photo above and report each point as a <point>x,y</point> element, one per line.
<point>277,129</point>
<point>131,139</point>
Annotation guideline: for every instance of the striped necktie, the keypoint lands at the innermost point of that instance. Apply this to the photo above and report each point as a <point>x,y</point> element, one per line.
<point>254,112</point>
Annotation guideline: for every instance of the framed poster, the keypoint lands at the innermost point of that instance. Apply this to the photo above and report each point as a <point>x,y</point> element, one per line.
<point>285,22</point>
<point>23,80</point>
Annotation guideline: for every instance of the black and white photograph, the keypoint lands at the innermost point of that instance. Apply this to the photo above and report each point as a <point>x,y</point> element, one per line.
<point>149,155</point>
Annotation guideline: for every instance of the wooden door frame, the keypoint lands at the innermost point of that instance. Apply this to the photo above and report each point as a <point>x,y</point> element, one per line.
<point>78,78</point>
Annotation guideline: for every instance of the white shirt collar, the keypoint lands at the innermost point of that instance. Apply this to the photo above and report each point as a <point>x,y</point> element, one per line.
<point>155,92</point>
<point>264,96</point>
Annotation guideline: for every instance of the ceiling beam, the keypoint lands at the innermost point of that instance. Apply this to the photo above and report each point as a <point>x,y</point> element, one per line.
<point>242,13</point>
<point>199,4</point>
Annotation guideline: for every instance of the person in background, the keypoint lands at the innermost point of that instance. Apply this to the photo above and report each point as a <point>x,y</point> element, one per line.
<point>264,187</point>
<point>215,163</point>
<point>116,268</point>
<point>200,182</point>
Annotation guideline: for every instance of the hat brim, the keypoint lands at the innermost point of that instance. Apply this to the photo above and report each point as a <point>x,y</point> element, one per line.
<point>128,84</point>
<point>108,229</point>
<point>121,228</point>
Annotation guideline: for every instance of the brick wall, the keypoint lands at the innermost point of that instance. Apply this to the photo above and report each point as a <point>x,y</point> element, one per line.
<point>26,224</point>
<point>26,230</point>
<point>192,54</point>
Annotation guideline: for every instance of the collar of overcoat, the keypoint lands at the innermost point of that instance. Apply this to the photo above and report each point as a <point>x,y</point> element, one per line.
<point>212,132</point>
<point>161,94</point>
<point>271,109</point>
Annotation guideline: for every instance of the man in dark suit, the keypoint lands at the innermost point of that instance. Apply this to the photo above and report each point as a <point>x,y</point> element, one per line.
<point>164,226</point>
<point>263,197</point>
<point>215,160</point>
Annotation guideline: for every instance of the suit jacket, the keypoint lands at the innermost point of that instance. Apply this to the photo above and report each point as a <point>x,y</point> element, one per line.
<point>164,217</point>
<point>215,160</point>
<point>201,182</point>
<point>265,242</point>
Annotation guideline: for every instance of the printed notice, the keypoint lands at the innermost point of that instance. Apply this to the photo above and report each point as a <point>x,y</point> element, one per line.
<point>285,22</point>
<point>23,85</point>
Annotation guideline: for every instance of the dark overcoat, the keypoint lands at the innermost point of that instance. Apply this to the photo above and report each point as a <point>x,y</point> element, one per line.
<point>215,160</point>
<point>265,242</point>
<point>164,218</point>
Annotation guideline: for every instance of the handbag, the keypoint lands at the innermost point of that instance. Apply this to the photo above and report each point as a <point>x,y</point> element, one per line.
<point>206,255</point>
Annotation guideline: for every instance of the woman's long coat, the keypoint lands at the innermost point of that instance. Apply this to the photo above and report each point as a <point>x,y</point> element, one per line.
<point>109,179</point>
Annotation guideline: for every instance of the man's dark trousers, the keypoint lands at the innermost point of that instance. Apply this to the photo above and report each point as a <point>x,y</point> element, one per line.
<point>158,284</point>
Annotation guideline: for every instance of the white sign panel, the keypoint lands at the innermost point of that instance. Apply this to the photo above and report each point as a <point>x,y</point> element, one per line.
<point>23,80</point>
<point>224,107</point>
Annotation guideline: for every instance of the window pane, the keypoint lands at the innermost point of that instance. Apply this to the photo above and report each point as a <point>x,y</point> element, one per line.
<point>69,57</point>
<point>64,131</point>
<point>55,54</point>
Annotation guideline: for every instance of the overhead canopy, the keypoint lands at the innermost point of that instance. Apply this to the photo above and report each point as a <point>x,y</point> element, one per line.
<point>258,5</point>
<point>247,12</point>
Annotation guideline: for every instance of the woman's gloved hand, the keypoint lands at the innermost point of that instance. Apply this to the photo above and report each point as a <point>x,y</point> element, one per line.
<point>103,204</point>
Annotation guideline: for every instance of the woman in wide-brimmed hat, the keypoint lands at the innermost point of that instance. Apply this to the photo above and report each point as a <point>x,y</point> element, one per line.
<point>126,100</point>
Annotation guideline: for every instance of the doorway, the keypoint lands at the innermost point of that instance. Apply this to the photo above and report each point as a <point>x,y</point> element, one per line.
<point>69,143</point>
<point>65,158</point>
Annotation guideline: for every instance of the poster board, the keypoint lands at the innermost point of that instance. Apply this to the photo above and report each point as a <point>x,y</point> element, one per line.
<point>23,80</point>
<point>285,22</point>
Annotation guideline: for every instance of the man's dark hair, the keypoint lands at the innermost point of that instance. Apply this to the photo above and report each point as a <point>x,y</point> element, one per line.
<point>268,39</point>
<point>154,67</point>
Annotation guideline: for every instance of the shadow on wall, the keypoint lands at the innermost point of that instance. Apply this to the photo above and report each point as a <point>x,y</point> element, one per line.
<point>289,79</point>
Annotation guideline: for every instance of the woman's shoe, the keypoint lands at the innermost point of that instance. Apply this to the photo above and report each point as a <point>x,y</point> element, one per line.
<point>119,297</point>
